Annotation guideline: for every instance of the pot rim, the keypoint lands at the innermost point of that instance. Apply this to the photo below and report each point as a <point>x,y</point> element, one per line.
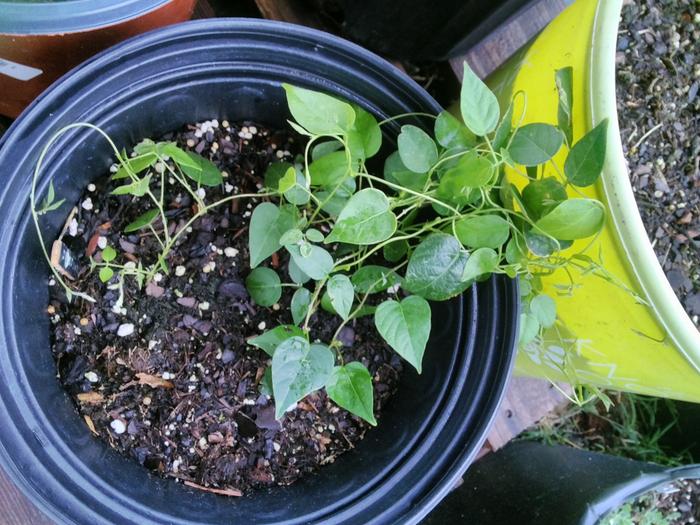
<point>69,16</point>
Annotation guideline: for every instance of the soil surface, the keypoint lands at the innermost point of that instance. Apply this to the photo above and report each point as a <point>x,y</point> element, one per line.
<point>677,503</point>
<point>658,61</point>
<point>169,380</point>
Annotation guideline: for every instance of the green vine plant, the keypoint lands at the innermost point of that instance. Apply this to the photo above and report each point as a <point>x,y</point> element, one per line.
<point>442,216</point>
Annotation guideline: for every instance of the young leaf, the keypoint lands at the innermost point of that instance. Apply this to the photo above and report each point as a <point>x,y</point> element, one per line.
<point>179,156</point>
<point>207,174</point>
<point>544,309</point>
<point>417,150</point>
<point>365,137</point>
<point>341,294</point>
<point>295,273</point>
<point>542,196</point>
<point>504,130</point>
<point>321,149</point>
<point>274,173</point>
<point>374,279</point>
<point>395,251</point>
<point>573,219</point>
<point>564,80</point>
<point>264,286</point>
<point>109,254</point>
<point>313,235</point>
<point>541,245</point>
<point>451,133</point>
<point>585,161</point>
<point>301,300</point>
<point>395,171</point>
<point>293,236</point>
<point>330,169</point>
<point>482,231</point>
<point>515,251</point>
<point>535,144</point>
<point>319,113</point>
<point>478,104</point>
<point>142,221</point>
<point>317,264</point>
<point>267,224</point>
<point>271,339</point>
<point>481,262</point>
<point>294,187</point>
<point>435,268</point>
<point>405,326</point>
<point>106,274</point>
<point>529,328</point>
<point>266,383</point>
<point>334,200</point>
<point>136,165</point>
<point>298,369</point>
<point>366,219</point>
<point>137,188</point>
<point>472,171</point>
<point>350,387</point>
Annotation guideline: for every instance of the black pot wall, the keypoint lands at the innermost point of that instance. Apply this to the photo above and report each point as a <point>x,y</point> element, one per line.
<point>422,29</point>
<point>155,83</point>
<point>550,485</point>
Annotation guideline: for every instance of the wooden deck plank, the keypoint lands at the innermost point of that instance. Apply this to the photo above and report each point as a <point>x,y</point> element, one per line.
<point>15,508</point>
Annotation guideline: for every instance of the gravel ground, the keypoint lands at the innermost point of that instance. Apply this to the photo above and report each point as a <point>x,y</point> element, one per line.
<point>658,96</point>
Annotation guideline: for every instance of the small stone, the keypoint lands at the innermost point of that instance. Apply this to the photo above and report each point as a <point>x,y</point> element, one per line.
<point>91,187</point>
<point>204,305</point>
<point>276,307</point>
<point>228,188</point>
<point>101,242</point>
<point>167,375</point>
<point>180,270</point>
<point>118,426</point>
<point>87,204</point>
<point>146,400</point>
<point>158,277</point>
<point>227,356</point>
<point>125,329</point>
<point>84,321</point>
<point>92,377</point>
<point>201,193</point>
<point>73,228</point>
<point>209,267</point>
<point>159,167</point>
<point>230,252</point>
<point>262,325</point>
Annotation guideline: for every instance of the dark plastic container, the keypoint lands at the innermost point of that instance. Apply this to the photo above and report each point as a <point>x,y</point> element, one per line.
<point>40,40</point>
<point>550,485</point>
<point>225,68</point>
<point>421,29</point>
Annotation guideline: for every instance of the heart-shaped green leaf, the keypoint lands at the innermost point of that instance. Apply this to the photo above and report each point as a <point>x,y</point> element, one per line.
<point>544,309</point>
<point>341,294</point>
<point>267,225</point>
<point>482,231</point>
<point>270,340</point>
<point>135,165</point>
<point>319,113</point>
<point>451,133</point>
<point>405,326</point>
<point>374,279</point>
<point>542,196</point>
<point>365,137</point>
<point>301,300</point>
<point>573,219</point>
<point>350,387</point>
<point>317,264</point>
<point>585,161</point>
<point>298,369</point>
<point>481,262</point>
<point>435,268</point>
<point>478,104</point>
<point>264,286</point>
<point>141,221</point>
<point>330,169</point>
<point>535,144</point>
<point>365,219</point>
<point>207,174</point>
<point>417,150</point>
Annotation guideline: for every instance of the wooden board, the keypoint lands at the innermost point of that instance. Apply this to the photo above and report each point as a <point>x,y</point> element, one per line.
<point>486,56</point>
<point>15,508</point>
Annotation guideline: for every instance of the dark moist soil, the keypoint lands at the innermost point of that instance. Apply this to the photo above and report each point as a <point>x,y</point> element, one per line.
<point>677,503</point>
<point>181,394</point>
<point>658,64</point>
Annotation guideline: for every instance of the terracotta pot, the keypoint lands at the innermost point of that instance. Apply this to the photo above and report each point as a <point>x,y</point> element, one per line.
<point>40,41</point>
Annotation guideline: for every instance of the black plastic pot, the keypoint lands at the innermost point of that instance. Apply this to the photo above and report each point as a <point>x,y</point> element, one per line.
<point>156,83</point>
<point>550,485</point>
<point>421,29</point>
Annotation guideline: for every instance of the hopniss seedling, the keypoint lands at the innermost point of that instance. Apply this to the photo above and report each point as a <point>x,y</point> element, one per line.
<point>441,216</point>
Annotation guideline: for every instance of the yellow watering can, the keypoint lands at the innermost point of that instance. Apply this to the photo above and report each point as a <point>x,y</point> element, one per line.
<point>607,337</point>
